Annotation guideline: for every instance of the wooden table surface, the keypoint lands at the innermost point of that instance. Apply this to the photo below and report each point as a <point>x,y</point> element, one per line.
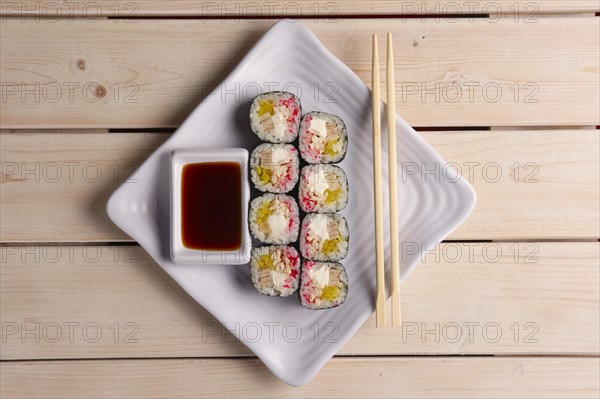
<point>508,92</point>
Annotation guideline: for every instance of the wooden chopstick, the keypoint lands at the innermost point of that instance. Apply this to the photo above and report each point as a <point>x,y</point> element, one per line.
<point>379,256</point>
<point>392,170</point>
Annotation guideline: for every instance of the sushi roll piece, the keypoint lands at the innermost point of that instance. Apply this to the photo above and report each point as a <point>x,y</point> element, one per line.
<point>323,138</point>
<point>323,188</point>
<point>274,219</point>
<point>324,237</point>
<point>275,270</point>
<point>274,167</point>
<point>324,285</point>
<point>275,116</point>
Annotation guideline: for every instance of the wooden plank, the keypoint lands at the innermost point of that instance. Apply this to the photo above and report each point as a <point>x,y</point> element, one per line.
<point>112,74</point>
<point>299,8</point>
<point>528,183</point>
<point>58,184</point>
<point>433,377</point>
<point>465,298</point>
<point>524,189</point>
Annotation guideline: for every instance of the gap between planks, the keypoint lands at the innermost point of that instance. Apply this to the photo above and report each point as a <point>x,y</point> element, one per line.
<point>420,129</point>
<point>337,356</point>
<point>492,16</point>
<point>53,131</point>
<point>25,243</point>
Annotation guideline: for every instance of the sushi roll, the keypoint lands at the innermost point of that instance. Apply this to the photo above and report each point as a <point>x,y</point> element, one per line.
<point>275,270</point>
<point>323,189</point>
<point>324,285</point>
<point>324,237</point>
<point>274,219</point>
<point>275,116</point>
<point>323,138</point>
<point>274,167</point>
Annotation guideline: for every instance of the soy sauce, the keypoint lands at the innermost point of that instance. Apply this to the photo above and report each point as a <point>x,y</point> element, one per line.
<point>211,206</point>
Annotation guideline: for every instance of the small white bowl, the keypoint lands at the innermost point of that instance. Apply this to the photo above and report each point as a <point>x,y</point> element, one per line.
<point>186,256</point>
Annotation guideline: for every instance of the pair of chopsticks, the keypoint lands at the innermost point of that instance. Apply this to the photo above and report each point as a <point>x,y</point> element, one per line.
<point>391,129</point>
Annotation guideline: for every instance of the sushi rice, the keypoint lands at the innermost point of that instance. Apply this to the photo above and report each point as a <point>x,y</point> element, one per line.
<point>274,167</point>
<point>275,270</point>
<point>275,116</point>
<point>323,138</point>
<point>274,219</point>
<point>323,285</point>
<point>324,237</point>
<point>323,188</point>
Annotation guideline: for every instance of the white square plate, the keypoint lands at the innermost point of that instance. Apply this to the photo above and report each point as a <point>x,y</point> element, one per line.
<point>293,342</point>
